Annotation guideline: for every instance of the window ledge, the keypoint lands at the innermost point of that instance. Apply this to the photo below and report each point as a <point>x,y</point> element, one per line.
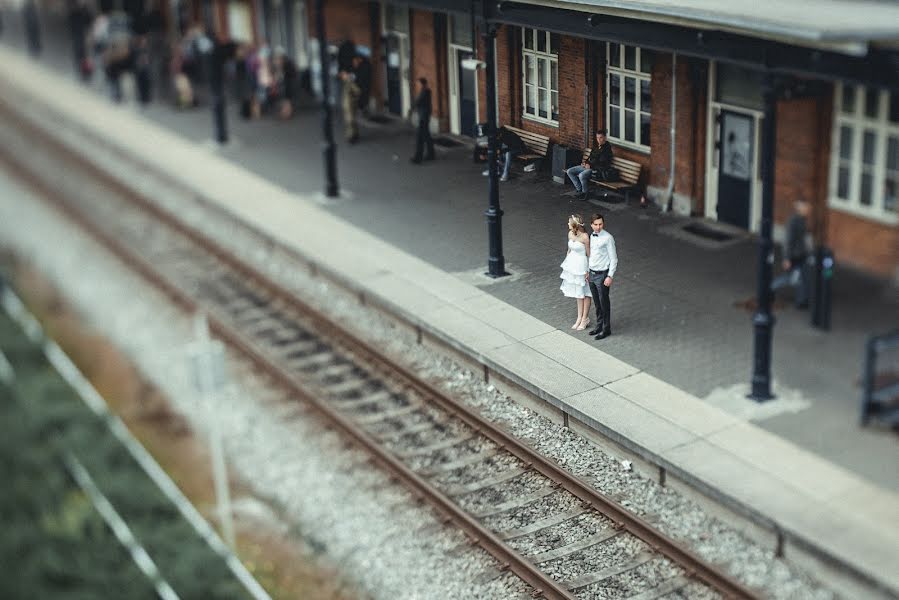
<point>881,218</point>
<point>630,146</point>
<point>547,122</point>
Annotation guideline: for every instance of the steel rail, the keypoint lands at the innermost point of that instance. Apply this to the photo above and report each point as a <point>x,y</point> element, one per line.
<point>695,566</point>
<point>508,558</point>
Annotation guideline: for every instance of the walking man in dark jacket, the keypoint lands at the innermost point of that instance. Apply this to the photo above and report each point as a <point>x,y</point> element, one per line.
<point>795,255</point>
<point>424,145</point>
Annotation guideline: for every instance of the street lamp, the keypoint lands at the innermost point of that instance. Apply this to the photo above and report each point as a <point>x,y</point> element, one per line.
<point>763,320</point>
<point>496,263</point>
<point>328,147</point>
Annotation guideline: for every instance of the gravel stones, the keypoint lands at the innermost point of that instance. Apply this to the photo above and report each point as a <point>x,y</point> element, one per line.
<point>675,515</point>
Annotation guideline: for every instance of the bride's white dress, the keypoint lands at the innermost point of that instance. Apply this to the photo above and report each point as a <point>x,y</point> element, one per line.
<point>574,270</point>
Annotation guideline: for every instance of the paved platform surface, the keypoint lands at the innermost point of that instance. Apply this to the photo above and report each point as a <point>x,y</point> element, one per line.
<point>419,232</point>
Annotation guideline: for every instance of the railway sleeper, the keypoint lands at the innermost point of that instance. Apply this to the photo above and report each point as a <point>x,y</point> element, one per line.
<point>469,488</point>
<point>596,576</point>
<point>446,467</point>
<point>550,521</point>
<point>574,547</point>
<point>518,502</point>
<point>386,415</point>
<point>434,447</point>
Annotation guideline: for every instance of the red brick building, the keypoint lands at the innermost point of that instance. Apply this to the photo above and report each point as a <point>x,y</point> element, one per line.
<point>688,96</point>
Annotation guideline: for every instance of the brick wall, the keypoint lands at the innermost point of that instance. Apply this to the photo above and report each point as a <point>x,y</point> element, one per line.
<point>508,74</point>
<point>510,108</point>
<point>424,58</point>
<point>797,166</point>
<point>690,129</point>
<point>345,20</point>
<point>863,243</point>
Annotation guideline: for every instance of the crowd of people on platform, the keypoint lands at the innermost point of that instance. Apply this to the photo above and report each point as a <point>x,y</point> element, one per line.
<point>114,44</point>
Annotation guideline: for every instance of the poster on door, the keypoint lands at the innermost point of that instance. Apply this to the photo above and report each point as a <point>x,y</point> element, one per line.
<point>737,147</point>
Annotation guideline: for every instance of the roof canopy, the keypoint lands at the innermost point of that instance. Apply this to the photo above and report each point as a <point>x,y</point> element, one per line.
<point>829,24</point>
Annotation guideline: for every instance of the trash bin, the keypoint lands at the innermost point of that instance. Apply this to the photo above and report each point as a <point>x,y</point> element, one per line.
<point>821,299</point>
<point>563,157</point>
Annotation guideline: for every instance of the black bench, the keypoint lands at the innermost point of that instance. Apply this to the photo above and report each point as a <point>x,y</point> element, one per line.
<point>880,396</point>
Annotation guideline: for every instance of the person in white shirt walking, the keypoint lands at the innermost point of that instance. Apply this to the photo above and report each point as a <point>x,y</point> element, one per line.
<point>602,267</point>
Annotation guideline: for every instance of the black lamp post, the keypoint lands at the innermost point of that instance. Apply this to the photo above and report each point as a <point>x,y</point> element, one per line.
<point>215,67</point>
<point>496,264</point>
<point>328,147</point>
<point>763,320</point>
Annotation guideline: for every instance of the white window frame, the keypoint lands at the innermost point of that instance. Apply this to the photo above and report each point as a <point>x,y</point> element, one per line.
<point>638,76</point>
<point>550,60</point>
<point>859,123</point>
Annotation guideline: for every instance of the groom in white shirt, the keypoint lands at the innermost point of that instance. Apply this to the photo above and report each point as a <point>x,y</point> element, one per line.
<point>603,264</point>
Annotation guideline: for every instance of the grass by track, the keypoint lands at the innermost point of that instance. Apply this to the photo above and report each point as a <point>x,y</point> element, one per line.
<point>55,543</point>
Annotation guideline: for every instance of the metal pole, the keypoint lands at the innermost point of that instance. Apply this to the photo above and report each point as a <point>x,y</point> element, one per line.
<point>328,147</point>
<point>215,64</point>
<point>763,320</point>
<point>206,365</point>
<point>496,264</point>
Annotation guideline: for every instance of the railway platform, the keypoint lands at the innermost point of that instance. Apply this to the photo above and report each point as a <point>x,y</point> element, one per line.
<point>666,389</point>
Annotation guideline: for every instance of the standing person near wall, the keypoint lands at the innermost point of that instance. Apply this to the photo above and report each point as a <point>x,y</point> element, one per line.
<point>140,60</point>
<point>424,145</point>
<point>795,255</point>
<point>286,81</point>
<point>362,70</point>
<point>350,99</point>
<point>32,26</point>
<point>79,21</point>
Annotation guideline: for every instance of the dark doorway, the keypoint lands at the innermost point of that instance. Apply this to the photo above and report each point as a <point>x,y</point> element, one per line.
<point>393,55</point>
<point>735,172</point>
<point>468,97</point>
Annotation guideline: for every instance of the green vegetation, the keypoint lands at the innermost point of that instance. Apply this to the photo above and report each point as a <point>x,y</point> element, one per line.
<point>54,543</point>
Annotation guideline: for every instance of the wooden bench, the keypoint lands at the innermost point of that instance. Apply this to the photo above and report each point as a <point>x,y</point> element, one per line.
<point>536,144</point>
<point>628,175</point>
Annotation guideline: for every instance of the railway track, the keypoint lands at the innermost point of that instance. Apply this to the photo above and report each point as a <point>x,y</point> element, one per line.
<point>563,538</point>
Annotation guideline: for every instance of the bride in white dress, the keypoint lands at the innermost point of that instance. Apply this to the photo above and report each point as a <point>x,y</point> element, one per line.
<point>574,270</point>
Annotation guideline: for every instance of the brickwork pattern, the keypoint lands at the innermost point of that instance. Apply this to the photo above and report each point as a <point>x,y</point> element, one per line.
<point>796,169</point>
<point>690,129</point>
<point>424,56</point>
<point>863,243</point>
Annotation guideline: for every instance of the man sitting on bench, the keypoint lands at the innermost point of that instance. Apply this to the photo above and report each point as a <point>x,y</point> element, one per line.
<point>599,162</point>
<point>510,145</point>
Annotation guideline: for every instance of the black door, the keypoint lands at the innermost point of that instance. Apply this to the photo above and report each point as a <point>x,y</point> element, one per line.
<point>394,75</point>
<point>735,168</point>
<point>468,93</point>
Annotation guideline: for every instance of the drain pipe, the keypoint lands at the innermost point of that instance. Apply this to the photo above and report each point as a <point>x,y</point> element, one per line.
<point>669,191</point>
